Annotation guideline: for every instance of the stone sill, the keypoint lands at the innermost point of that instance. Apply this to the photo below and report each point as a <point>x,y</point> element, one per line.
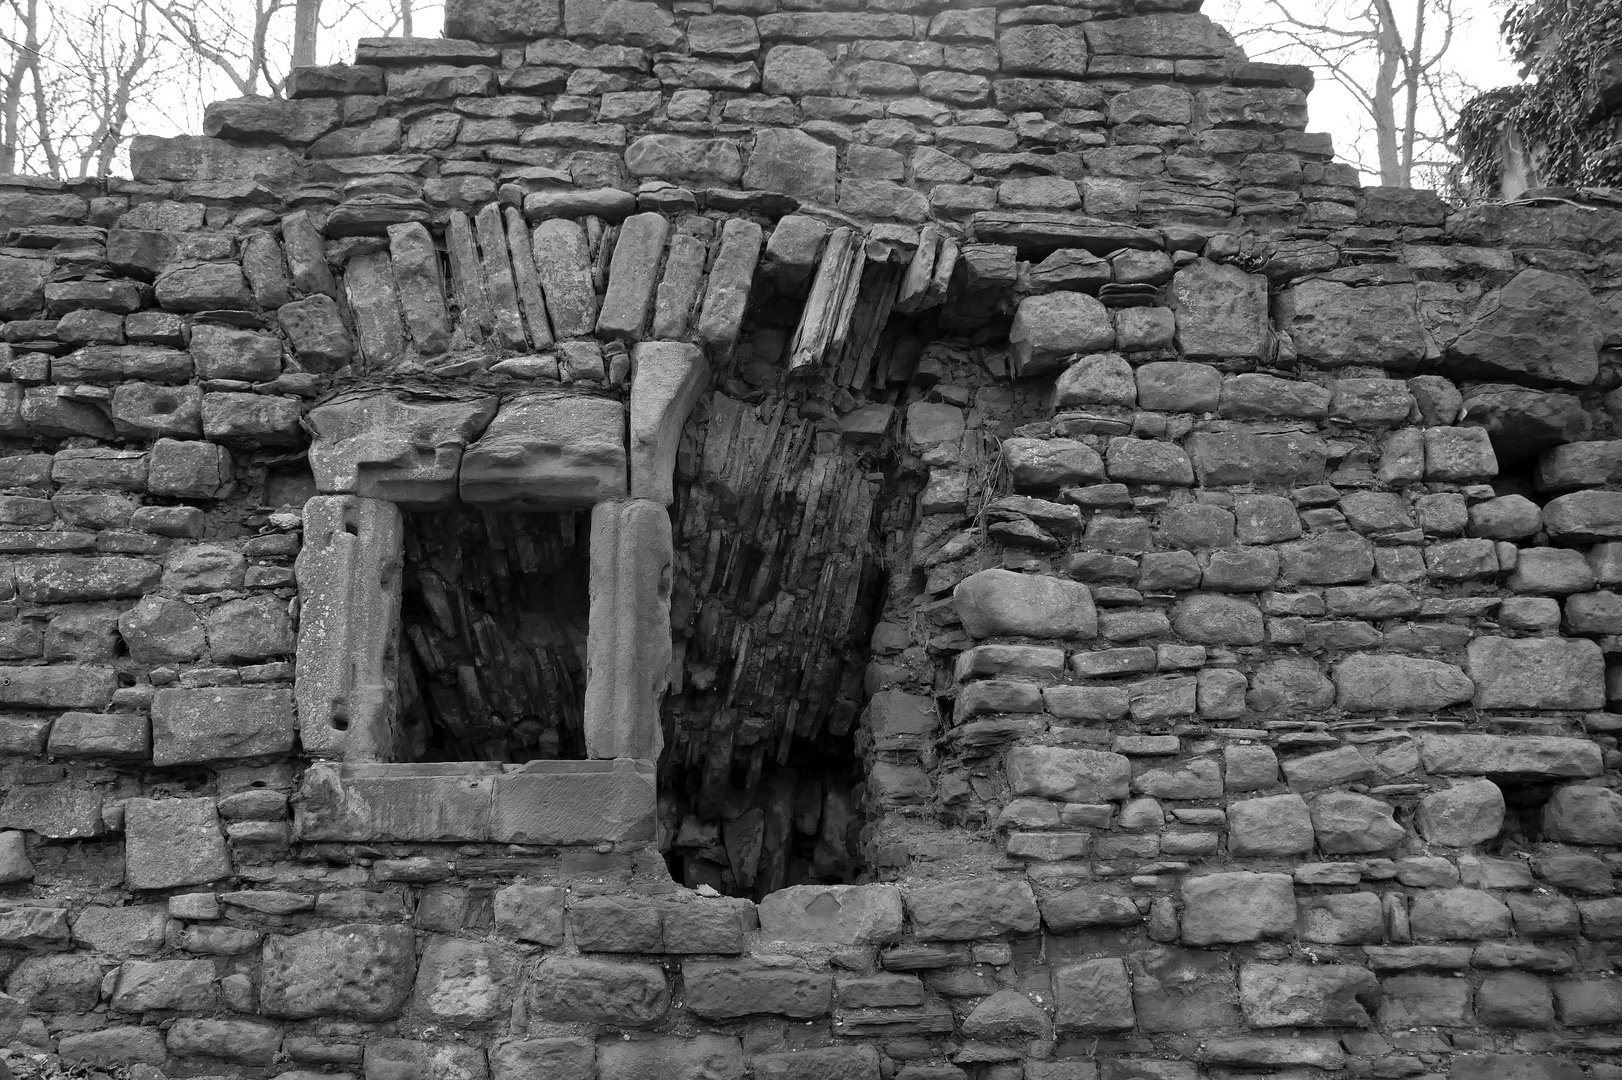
<point>564,803</point>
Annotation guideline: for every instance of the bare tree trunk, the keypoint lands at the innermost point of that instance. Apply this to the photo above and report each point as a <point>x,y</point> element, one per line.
<point>42,112</point>
<point>1384,97</point>
<point>241,52</point>
<point>12,100</point>
<point>1362,47</point>
<point>405,18</point>
<point>306,23</point>
<point>123,80</point>
<point>42,128</point>
<point>1413,69</point>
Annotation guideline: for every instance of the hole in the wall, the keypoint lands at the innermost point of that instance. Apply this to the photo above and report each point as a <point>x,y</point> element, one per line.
<point>292,485</point>
<point>494,612</point>
<point>1523,814</point>
<point>779,585</point>
<point>793,824</point>
<point>1518,478</point>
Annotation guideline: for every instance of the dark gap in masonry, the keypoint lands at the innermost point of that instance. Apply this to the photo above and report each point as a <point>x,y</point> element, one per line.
<point>767,809</point>
<point>493,612</point>
<point>1519,478</point>
<point>1523,814</point>
<point>779,585</point>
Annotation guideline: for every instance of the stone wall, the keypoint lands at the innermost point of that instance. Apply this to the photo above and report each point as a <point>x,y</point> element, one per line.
<point>1210,566</point>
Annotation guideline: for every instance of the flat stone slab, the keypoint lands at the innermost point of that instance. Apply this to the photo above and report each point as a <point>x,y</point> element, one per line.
<point>544,802</point>
<point>1519,755</point>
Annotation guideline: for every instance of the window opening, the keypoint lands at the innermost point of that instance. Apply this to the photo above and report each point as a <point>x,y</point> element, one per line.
<point>494,610</point>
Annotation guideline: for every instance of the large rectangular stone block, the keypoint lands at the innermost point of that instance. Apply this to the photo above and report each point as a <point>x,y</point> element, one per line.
<point>726,989</point>
<point>549,451</point>
<point>1053,772</point>
<point>221,723</point>
<point>428,802</point>
<point>1221,312</point>
<point>628,647</point>
<point>544,802</point>
<point>72,578</point>
<point>359,972</point>
<point>1241,457</point>
<point>403,448</point>
<point>574,803</point>
<point>170,842</point>
<point>970,908</point>
<point>66,687</point>
<point>563,263</point>
<point>1537,673</point>
<point>1334,324</point>
<point>54,810</point>
<point>570,988</point>
<point>1524,755</point>
<point>349,589</point>
<point>840,914</point>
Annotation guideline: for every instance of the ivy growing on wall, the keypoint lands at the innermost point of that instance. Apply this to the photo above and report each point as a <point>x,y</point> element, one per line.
<point>1570,53</point>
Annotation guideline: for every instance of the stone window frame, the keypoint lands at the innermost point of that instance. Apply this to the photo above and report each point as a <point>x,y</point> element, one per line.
<point>391,449</point>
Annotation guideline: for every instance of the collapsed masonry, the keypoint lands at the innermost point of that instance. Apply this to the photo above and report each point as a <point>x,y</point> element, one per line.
<point>988,454</point>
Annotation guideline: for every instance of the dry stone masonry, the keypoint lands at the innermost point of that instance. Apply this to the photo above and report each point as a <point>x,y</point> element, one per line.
<point>806,540</point>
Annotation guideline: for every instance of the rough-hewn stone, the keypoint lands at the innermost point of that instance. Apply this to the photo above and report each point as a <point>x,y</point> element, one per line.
<point>220,724</point>
<point>973,908</point>
<point>999,603</point>
<point>170,842</point>
<point>1541,326</point>
<point>1536,673</point>
<point>598,991</point>
<point>1235,907</point>
<point>357,972</point>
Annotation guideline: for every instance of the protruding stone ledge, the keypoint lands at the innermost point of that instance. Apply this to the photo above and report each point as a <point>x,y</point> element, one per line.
<point>564,803</point>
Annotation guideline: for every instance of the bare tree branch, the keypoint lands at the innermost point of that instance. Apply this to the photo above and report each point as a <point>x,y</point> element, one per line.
<point>1391,72</point>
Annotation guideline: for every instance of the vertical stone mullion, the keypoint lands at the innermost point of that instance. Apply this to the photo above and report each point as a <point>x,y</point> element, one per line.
<point>349,593</point>
<point>628,649</point>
